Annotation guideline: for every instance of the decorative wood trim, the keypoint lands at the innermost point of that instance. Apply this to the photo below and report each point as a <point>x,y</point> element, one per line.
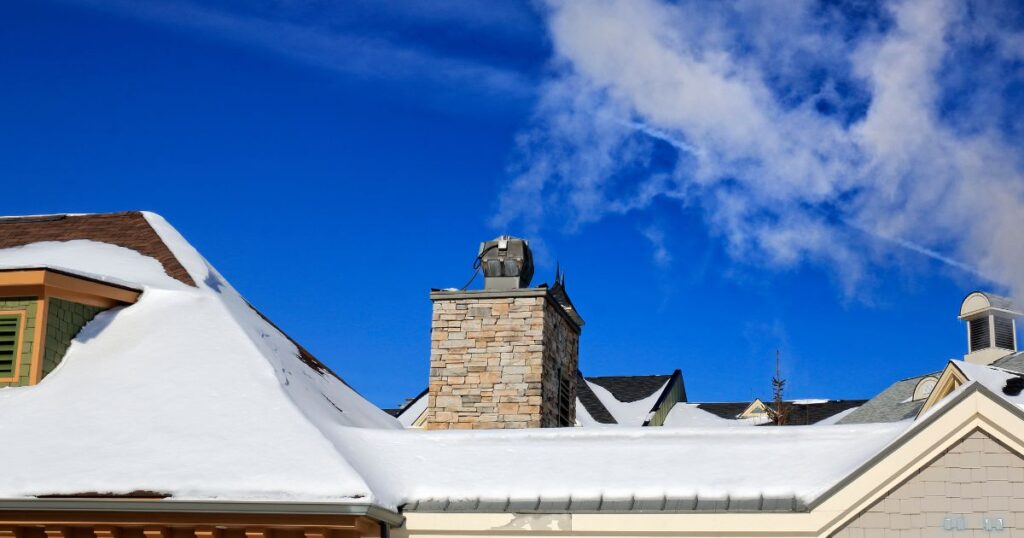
<point>757,408</point>
<point>949,380</point>
<point>156,532</point>
<point>57,532</point>
<point>44,284</point>
<point>204,532</point>
<point>16,374</point>
<point>61,283</point>
<point>58,284</point>
<point>315,532</point>
<point>107,532</point>
<point>42,311</point>
<point>257,533</point>
<point>7,532</point>
<point>152,520</point>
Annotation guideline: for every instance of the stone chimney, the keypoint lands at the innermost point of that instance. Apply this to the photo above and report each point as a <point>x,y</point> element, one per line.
<point>505,356</point>
<point>991,327</point>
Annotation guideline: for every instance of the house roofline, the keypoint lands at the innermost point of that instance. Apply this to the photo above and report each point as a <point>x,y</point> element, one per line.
<point>203,507</point>
<point>919,425</point>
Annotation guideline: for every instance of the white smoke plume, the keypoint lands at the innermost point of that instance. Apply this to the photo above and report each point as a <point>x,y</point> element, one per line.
<point>803,132</point>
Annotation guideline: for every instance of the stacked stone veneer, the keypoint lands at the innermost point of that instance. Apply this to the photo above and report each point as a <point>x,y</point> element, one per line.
<point>975,479</point>
<point>496,360</point>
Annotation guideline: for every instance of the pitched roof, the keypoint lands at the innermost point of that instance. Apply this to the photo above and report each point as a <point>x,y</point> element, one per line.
<point>683,470</point>
<point>630,388</point>
<point>129,229</point>
<point>801,412</point>
<point>591,403</point>
<point>893,404</point>
<point>896,402</point>
<point>623,389</point>
<point>728,410</point>
<point>1013,361</point>
<point>191,393</point>
<point>192,365</point>
<point>812,413</point>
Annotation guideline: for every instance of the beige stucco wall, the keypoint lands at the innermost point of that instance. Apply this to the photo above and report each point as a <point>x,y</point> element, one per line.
<point>976,478</point>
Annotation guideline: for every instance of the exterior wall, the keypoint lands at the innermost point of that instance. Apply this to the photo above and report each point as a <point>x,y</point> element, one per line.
<point>561,359</point>
<point>28,305</point>
<point>494,360</point>
<point>977,478</point>
<point>64,319</point>
<point>675,395</point>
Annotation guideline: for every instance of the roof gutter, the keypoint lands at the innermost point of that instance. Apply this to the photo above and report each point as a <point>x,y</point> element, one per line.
<point>220,507</point>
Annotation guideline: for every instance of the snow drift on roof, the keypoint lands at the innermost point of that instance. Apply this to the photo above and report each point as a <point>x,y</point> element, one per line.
<point>613,463</point>
<point>991,377</point>
<point>687,415</point>
<point>189,392</point>
<point>633,413</point>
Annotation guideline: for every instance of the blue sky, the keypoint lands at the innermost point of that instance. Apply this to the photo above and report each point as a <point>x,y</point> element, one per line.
<point>826,179</point>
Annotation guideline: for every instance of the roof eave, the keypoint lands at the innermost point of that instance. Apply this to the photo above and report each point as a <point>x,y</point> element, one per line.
<point>198,506</point>
<point>919,425</point>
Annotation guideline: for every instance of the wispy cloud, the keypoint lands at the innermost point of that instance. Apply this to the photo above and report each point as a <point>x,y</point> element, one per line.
<point>788,121</point>
<point>659,250</point>
<point>330,47</point>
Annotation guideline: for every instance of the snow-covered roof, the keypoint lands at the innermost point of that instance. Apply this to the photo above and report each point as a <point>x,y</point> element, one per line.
<point>592,466</point>
<point>629,412</point>
<point>991,377</point>
<point>190,393</point>
<point>601,401</point>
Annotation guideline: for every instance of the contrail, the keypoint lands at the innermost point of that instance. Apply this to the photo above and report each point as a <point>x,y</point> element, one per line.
<point>909,245</point>
<point>924,251</point>
<point>664,136</point>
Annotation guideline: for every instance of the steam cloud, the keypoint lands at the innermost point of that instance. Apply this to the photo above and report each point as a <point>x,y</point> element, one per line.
<point>803,132</point>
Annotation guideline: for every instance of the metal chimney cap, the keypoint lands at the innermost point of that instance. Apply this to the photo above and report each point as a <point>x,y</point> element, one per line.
<point>507,263</point>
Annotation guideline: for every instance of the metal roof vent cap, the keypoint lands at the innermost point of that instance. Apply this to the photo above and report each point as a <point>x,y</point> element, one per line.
<point>507,263</point>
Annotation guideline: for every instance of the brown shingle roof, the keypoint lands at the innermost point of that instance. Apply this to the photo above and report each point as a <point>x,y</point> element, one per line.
<point>129,229</point>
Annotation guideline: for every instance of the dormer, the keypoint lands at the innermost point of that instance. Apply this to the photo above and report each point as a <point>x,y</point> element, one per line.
<point>756,409</point>
<point>41,312</point>
<point>991,327</point>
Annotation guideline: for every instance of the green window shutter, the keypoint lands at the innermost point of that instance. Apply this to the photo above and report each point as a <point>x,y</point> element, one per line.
<point>8,344</point>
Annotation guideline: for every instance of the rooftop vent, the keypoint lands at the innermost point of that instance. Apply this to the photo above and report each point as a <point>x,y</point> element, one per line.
<point>507,263</point>
<point>991,327</point>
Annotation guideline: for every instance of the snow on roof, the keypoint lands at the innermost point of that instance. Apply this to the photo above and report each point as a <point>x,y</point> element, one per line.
<point>414,410</point>
<point>633,413</point>
<point>189,392</point>
<point>192,393</point>
<point>688,415</point>
<point>834,419</point>
<point>613,463</point>
<point>991,377</point>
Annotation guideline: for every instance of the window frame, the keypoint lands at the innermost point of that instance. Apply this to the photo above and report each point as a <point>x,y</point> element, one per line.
<point>19,348</point>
